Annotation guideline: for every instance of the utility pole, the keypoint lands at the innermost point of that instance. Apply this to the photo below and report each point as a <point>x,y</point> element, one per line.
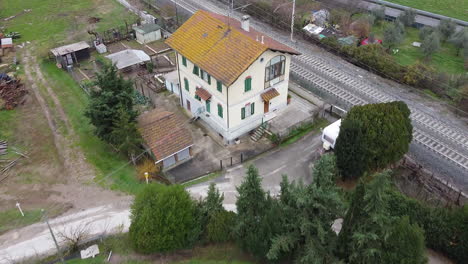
<point>53,237</point>
<point>292,20</point>
<point>176,14</point>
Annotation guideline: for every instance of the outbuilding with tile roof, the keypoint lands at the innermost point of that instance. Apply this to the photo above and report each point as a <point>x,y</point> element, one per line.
<point>166,136</point>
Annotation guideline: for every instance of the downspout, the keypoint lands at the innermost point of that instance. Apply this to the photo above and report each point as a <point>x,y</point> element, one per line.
<point>180,83</point>
<point>227,102</point>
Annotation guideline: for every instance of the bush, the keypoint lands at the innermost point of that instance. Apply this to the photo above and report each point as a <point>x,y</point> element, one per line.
<point>163,219</point>
<point>407,17</point>
<point>446,230</point>
<point>446,28</point>
<point>219,228</point>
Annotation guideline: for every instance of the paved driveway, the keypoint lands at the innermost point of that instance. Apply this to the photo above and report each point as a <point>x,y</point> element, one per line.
<point>294,160</point>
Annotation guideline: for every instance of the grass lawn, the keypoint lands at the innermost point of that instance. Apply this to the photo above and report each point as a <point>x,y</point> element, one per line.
<point>212,254</point>
<point>7,119</point>
<point>11,219</point>
<point>445,60</point>
<point>451,8</point>
<point>98,153</point>
<point>201,179</point>
<point>300,132</point>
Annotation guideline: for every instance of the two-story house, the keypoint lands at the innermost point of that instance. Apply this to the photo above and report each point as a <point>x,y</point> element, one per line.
<point>231,76</point>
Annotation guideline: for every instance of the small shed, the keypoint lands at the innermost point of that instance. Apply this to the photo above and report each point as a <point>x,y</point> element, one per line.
<point>70,54</point>
<point>125,59</point>
<point>172,82</point>
<point>167,138</point>
<point>147,33</point>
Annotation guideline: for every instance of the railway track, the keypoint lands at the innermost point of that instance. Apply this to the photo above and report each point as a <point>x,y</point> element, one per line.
<point>438,137</point>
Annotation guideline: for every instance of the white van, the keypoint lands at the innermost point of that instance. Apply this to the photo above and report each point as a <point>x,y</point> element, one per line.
<point>330,134</point>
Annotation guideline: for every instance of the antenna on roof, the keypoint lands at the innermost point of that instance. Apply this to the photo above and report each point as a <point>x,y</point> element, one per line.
<point>230,9</point>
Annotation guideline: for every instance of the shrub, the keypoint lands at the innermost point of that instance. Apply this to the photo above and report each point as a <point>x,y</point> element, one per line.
<point>446,230</point>
<point>446,28</point>
<point>407,17</point>
<point>430,44</point>
<point>219,228</point>
<point>425,31</point>
<point>163,219</point>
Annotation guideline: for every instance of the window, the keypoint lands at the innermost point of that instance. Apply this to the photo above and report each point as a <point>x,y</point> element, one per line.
<point>186,84</point>
<point>205,76</point>
<point>248,84</point>
<point>196,70</point>
<point>196,96</point>
<point>208,106</point>
<point>248,110</point>
<point>184,61</point>
<point>220,110</point>
<point>274,70</point>
<point>219,86</point>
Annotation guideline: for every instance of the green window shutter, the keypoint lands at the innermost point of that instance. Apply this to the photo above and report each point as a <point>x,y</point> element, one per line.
<point>208,106</point>
<point>184,61</point>
<point>196,71</point>
<point>252,108</point>
<point>186,84</point>
<point>209,79</point>
<point>220,111</point>
<point>219,86</point>
<point>243,113</point>
<point>248,84</point>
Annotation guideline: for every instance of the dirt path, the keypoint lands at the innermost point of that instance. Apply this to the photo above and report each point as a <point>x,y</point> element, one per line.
<point>77,187</point>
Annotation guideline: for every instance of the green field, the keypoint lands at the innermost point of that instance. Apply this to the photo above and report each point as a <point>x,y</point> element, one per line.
<point>52,22</point>
<point>12,218</point>
<point>445,60</point>
<point>451,8</point>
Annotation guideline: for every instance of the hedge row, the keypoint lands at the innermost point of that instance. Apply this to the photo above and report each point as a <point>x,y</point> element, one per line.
<point>446,230</point>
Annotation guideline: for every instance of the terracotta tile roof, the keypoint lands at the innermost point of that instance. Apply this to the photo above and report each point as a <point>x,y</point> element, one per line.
<point>270,94</point>
<point>164,133</point>
<point>225,53</point>
<point>204,94</point>
<point>254,34</point>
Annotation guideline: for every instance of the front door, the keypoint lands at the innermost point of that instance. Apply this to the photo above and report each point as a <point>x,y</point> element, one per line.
<point>188,106</point>
<point>266,107</point>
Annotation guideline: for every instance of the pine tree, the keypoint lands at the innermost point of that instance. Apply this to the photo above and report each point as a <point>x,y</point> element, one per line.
<point>309,212</point>
<point>256,216</point>
<point>350,149</point>
<point>405,244</point>
<point>113,95</point>
<point>210,206</point>
<point>125,136</point>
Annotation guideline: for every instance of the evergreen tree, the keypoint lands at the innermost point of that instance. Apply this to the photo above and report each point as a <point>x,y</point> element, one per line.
<point>163,219</point>
<point>113,95</point>
<point>366,224</point>
<point>405,244</point>
<point>372,137</point>
<point>210,206</point>
<point>256,215</point>
<point>125,136</point>
<point>446,28</point>
<point>430,44</point>
<point>350,149</point>
<point>407,17</point>
<point>309,212</point>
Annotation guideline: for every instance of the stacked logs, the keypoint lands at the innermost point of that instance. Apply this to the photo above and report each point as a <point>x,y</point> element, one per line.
<point>11,93</point>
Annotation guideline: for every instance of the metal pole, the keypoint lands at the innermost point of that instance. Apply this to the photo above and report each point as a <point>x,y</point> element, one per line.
<point>53,237</point>
<point>292,19</point>
<point>176,15</point>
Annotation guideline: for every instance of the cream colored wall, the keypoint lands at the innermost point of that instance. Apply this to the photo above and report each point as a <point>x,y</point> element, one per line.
<point>238,98</point>
<point>196,81</point>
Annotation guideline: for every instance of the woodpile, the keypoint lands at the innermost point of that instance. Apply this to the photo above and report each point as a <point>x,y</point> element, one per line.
<point>11,94</point>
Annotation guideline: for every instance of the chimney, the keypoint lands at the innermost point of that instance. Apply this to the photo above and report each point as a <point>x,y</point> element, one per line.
<point>262,39</point>
<point>245,23</point>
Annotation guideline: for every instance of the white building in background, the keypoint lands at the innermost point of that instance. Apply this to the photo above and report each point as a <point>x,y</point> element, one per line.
<point>231,76</point>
